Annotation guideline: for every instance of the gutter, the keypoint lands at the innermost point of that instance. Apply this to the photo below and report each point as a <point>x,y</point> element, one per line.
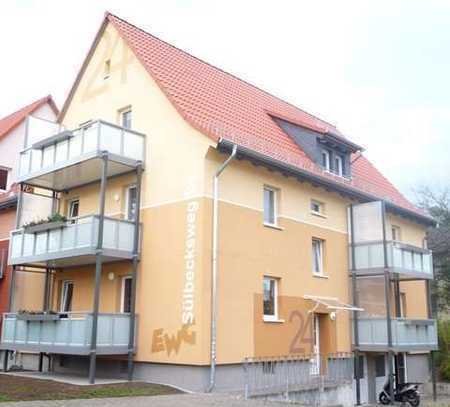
<point>287,169</point>
<point>214,267</point>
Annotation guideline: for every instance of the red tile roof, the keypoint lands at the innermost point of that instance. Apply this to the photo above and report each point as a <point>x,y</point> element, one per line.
<point>223,106</point>
<point>11,121</point>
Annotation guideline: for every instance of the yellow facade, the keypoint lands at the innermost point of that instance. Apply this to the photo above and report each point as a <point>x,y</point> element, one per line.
<point>174,276</point>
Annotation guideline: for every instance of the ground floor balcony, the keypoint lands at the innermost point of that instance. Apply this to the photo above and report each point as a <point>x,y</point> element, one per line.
<point>72,243</point>
<point>65,333</point>
<point>409,262</point>
<point>407,334</point>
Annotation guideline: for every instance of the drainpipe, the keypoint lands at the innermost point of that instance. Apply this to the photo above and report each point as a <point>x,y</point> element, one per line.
<point>214,268</point>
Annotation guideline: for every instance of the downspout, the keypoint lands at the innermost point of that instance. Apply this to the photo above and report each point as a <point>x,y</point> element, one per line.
<point>214,268</point>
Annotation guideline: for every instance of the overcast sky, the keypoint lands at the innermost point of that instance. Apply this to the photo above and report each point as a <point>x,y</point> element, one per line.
<point>379,70</point>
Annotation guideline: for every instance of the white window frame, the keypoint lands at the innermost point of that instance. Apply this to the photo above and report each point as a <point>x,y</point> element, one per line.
<point>321,205</point>
<point>398,233</point>
<point>127,200</point>
<point>69,211</point>
<point>122,293</point>
<point>274,317</point>
<point>275,206</point>
<point>124,111</point>
<point>65,283</point>
<point>339,170</point>
<point>327,160</point>
<point>321,256</point>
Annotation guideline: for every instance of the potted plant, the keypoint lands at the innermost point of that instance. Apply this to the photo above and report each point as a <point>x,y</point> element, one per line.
<point>55,221</point>
<point>27,315</point>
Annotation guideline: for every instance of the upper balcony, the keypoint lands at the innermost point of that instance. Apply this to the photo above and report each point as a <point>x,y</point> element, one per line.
<point>60,159</point>
<point>71,243</point>
<point>407,334</point>
<point>408,261</point>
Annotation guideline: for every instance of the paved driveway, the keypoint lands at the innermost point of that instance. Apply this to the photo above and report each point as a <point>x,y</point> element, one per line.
<point>179,400</point>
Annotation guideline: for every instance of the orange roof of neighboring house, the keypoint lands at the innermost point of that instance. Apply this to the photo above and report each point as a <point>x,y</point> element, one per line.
<point>11,121</point>
<point>225,107</point>
<point>8,198</point>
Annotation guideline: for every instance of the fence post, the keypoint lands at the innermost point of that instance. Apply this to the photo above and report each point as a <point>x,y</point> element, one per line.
<point>246,378</point>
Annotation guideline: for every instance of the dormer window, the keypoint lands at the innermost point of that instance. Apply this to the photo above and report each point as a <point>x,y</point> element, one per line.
<point>338,165</point>
<point>326,162</point>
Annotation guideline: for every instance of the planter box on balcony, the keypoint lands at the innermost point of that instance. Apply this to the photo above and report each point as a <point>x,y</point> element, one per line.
<point>44,227</point>
<point>38,317</point>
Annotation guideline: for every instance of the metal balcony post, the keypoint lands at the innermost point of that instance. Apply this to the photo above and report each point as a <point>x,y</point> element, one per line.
<point>432,361</point>
<point>387,293</point>
<point>134,272</point>
<point>355,313</point>
<point>98,269</point>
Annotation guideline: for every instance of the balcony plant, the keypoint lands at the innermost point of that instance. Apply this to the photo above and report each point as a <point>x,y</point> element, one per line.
<point>29,315</point>
<point>54,221</point>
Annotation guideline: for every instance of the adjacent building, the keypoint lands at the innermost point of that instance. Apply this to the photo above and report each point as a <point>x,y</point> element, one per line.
<point>207,221</point>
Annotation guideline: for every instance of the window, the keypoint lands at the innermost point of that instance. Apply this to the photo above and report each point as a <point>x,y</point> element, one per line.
<point>396,233</point>
<point>270,210</point>
<point>126,294</point>
<point>338,165</point>
<point>3,179</point>
<point>74,206</point>
<point>3,261</point>
<point>402,305</point>
<point>270,299</point>
<point>317,256</point>
<point>125,118</point>
<point>326,162</point>
<point>131,202</point>
<point>66,296</point>
<point>317,207</point>
<point>107,69</point>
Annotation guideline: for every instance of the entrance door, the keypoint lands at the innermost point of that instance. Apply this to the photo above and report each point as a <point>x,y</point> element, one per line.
<point>315,360</point>
<point>400,368</point>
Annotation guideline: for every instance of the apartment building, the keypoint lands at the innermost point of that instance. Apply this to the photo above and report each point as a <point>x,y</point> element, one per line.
<point>12,138</point>
<point>209,221</point>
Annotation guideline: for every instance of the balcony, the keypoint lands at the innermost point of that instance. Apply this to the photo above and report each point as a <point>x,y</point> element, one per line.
<point>68,333</point>
<point>407,334</point>
<point>73,243</point>
<point>69,159</point>
<point>408,261</point>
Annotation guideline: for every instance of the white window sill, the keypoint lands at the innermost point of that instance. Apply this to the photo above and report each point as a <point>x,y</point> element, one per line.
<point>273,226</point>
<point>320,276</point>
<point>272,319</point>
<point>321,215</point>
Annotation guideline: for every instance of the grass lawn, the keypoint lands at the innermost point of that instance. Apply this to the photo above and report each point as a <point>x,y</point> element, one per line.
<point>16,388</point>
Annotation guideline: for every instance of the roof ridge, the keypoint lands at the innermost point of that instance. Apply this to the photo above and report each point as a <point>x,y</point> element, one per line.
<point>107,14</point>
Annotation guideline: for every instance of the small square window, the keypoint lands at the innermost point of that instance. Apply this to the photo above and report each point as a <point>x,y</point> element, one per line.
<point>270,299</point>
<point>270,206</point>
<point>317,256</point>
<point>317,207</point>
<point>107,69</point>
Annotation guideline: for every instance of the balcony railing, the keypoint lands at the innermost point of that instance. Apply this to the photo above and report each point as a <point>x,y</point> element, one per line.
<point>73,243</point>
<point>407,334</point>
<point>69,148</point>
<point>407,260</point>
<point>68,333</point>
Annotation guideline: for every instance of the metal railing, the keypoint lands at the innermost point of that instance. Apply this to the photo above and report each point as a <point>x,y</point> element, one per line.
<point>410,333</point>
<point>77,234</point>
<point>72,145</point>
<point>402,258</point>
<point>281,377</point>
<point>68,332</point>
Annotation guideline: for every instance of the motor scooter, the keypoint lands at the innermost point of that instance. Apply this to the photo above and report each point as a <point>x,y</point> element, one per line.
<point>404,393</point>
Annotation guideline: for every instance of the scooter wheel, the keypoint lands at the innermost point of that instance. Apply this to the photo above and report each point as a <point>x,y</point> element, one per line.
<point>414,400</point>
<point>384,399</point>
